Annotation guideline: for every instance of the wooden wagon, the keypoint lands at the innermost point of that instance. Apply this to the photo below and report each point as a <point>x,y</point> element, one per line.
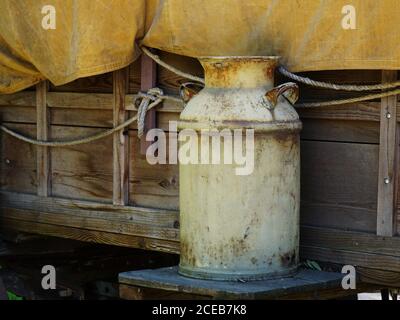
<point>106,192</point>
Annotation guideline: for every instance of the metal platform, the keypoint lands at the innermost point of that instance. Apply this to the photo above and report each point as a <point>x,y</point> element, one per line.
<point>305,284</point>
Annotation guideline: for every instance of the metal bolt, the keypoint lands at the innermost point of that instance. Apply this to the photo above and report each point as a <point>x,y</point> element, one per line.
<point>388,115</point>
<point>8,161</point>
<point>386,180</point>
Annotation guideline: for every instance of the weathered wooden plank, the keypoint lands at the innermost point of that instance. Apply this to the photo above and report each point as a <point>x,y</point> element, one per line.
<point>388,157</point>
<point>363,111</point>
<point>126,226</point>
<point>350,241</point>
<point>43,153</point>
<point>379,277</point>
<point>89,209</point>
<point>339,185</point>
<point>331,215</point>
<point>78,172</point>
<point>18,170</point>
<point>72,100</point>
<point>103,119</point>
<point>355,258</point>
<point>82,118</point>
<point>18,114</point>
<point>91,236</point>
<point>22,99</point>
<point>155,185</point>
<point>148,81</point>
<point>120,140</point>
<point>340,130</point>
<point>101,83</point>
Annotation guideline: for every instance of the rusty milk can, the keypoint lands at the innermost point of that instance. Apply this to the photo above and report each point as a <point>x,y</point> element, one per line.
<point>242,226</point>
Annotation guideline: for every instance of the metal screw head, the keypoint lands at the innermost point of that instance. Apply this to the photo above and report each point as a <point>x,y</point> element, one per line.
<point>7,161</point>
<point>388,115</point>
<point>386,180</point>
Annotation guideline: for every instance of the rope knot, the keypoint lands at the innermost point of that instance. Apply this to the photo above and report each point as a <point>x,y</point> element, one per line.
<point>153,95</point>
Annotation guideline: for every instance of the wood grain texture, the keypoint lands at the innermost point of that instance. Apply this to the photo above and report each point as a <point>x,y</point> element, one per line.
<point>141,215</point>
<point>148,80</point>
<point>355,258</point>
<point>91,236</point>
<point>120,139</point>
<point>16,114</point>
<point>388,158</point>
<point>101,83</point>
<point>43,153</point>
<point>76,215</point>
<point>18,167</point>
<point>155,186</point>
<point>82,171</point>
<point>350,241</point>
<point>78,220</point>
<point>379,277</point>
<point>340,131</point>
<point>339,185</point>
<point>20,99</point>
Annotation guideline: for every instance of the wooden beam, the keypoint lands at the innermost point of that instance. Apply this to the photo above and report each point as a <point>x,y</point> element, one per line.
<point>350,240</point>
<point>90,209</point>
<point>43,153</point>
<point>91,223</point>
<point>355,258</point>
<point>388,156</point>
<point>121,140</point>
<point>148,81</point>
<point>91,235</point>
<point>73,100</point>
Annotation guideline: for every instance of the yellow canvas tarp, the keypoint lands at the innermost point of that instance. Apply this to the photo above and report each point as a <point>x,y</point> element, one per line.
<point>97,36</point>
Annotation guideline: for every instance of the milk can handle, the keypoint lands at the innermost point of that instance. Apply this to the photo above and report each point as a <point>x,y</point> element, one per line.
<point>290,91</point>
<point>188,90</point>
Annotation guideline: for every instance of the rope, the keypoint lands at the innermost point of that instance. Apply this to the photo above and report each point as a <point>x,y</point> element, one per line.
<point>157,59</point>
<point>155,95</point>
<point>320,84</point>
<point>333,86</point>
<point>349,100</point>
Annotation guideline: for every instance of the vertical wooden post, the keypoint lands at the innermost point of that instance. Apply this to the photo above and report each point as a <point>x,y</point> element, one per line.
<point>42,129</point>
<point>121,140</point>
<point>388,149</point>
<point>148,80</point>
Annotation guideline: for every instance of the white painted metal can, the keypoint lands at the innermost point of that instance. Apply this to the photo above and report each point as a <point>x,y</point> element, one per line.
<point>242,226</point>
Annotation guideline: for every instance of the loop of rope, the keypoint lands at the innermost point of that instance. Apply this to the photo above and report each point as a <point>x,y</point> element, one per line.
<point>320,84</point>
<point>167,66</point>
<point>333,86</point>
<point>349,100</point>
<point>155,95</point>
